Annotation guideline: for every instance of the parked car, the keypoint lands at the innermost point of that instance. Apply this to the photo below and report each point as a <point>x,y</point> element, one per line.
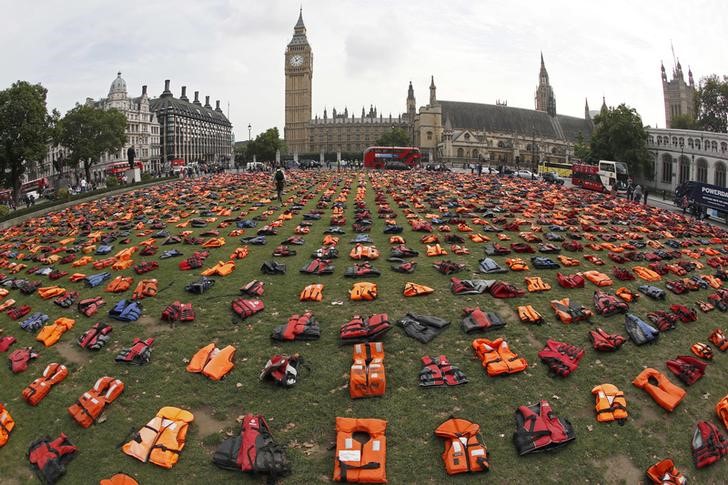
<point>306,164</point>
<point>437,167</point>
<point>552,178</point>
<point>396,166</point>
<point>526,174</point>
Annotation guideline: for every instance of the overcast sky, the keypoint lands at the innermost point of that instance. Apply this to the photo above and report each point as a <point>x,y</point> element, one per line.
<point>365,52</point>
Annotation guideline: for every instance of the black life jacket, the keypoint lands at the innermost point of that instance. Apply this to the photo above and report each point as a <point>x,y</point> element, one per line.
<point>273,267</point>
<point>539,429</point>
<point>139,353</point>
<point>541,262</point>
<point>318,266</point>
<point>405,267</point>
<point>488,265</point>
<point>66,299</point>
<point>200,286</point>
<point>282,369</point>
<point>253,451</point>
<point>439,372</point>
<point>50,457</point>
<point>448,267</point>
<point>476,320</point>
<point>423,328</point>
<point>299,327</point>
<point>363,330</point>
<point>253,288</point>
<point>469,287</point>
<point>95,337</point>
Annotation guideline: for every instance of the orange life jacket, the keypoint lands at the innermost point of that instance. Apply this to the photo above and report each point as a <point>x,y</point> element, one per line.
<point>464,451</point>
<point>77,277</point>
<point>330,240</point>
<point>721,409</point>
<point>567,261</point>
<point>126,253</point>
<point>413,289</point>
<point>364,252</point>
<point>626,294</point>
<point>598,278</point>
<point>429,239</point>
<point>664,392</point>
<point>145,288</point>
<point>646,273</point>
<point>497,357</point>
<point>103,263</point>
<point>718,338</point>
<point>92,403</point>
<point>6,304</point>
<point>214,242</point>
<point>119,479</point>
<point>220,269</point>
<point>162,439</point>
<point>313,292</point>
<point>504,237</point>
<point>122,264</point>
<point>49,292</point>
<point>713,281</point>
<point>535,283</point>
<point>396,240</point>
<point>363,291</point>
<point>367,377</point>
<point>212,362</point>
<point>358,462</point>
<point>517,264</point>
<point>119,284</point>
<point>610,404</point>
<point>39,388</point>
<point>528,314</point>
<point>568,312</point>
<point>6,425</point>
<point>50,334</point>
<point>435,250</point>
<point>459,250</point>
<point>82,261</point>
<point>478,238</point>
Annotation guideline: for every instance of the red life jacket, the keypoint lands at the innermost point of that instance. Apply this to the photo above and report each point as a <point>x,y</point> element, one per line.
<point>709,444</point>
<point>538,428</point>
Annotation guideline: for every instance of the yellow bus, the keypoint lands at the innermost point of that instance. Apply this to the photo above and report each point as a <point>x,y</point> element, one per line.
<point>560,169</point>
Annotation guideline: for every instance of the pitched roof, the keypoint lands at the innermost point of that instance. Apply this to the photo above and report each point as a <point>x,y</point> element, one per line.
<point>507,119</point>
<point>190,110</point>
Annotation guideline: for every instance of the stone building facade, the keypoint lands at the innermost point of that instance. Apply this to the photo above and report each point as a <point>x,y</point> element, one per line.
<point>679,96</point>
<point>191,131</point>
<point>682,155</point>
<point>444,130</point>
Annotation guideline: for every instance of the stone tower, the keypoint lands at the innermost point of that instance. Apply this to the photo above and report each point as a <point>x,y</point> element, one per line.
<point>545,100</point>
<point>411,104</point>
<point>433,91</point>
<point>678,95</point>
<point>298,71</point>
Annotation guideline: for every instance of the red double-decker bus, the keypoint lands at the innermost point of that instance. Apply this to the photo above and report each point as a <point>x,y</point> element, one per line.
<point>379,157</point>
<point>602,177</point>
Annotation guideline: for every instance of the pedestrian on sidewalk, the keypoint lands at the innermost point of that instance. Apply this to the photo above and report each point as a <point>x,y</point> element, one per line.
<point>644,194</point>
<point>684,203</point>
<point>637,194</point>
<point>630,189</point>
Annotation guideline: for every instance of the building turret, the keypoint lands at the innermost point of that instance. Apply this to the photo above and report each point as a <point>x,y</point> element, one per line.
<point>411,104</point>
<point>587,116</point>
<point>433,91</point>
<point>545,99</point>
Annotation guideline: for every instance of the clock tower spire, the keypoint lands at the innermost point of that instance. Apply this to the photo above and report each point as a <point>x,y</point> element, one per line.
<point>298,73</point>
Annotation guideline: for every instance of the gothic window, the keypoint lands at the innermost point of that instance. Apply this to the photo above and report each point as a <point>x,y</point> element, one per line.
<point>460,153</point>
<point>690,142</point>
<point>501,144</point>
<point>674,140</point>
<point>697,144</point>
<point>714,145</point>
<point>723,147</point>
<point>666,168</point>
<point>682,142</point>
<point>429,135</point>
<point>701,172</point>
<point>720,174</point>
<point>650,140</point>
<point>684,169</point>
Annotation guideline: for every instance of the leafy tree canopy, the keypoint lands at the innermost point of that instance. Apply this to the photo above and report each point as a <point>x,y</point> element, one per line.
<point>265,145</point>
<point>712,104</point>
<point>24,130</point>
<point>89,132</point>
<point>620,135</point>
<point>396,137</point>
<point>684,122</point>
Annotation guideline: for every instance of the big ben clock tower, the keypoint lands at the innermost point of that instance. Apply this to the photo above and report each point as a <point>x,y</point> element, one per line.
<point>299,70</point>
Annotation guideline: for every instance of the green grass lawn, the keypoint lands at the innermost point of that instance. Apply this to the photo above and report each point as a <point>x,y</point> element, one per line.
<point>302,418</point>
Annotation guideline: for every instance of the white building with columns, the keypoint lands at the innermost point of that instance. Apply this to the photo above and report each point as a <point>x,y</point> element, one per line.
<point>682,155</point>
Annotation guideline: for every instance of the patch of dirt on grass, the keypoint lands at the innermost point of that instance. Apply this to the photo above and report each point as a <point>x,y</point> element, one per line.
<point>154,323</point>
<point>620,469</point>
<point>205,423</point>
<point>533,341</point>
<point>71,353</point>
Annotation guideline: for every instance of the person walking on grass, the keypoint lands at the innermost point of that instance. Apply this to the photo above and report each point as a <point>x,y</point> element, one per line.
<point>280,180</point>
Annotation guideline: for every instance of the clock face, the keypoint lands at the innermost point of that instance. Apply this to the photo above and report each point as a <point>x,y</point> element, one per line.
<point>296,61</point>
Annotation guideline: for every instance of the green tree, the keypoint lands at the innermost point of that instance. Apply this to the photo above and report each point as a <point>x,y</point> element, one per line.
<point>265,145</point>
<point>240,153</point>
<point>582,151</point>
<point>396,137</point>
<point>89,132</point>
<point>24,131</point>
<point>712,104</point>
<point>620,135</point>
<point>684,122</point>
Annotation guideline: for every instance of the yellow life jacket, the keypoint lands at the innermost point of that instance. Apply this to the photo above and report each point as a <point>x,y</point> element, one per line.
<point>213,362</point>
<point>363,291</point>
<point>312,292</point>
<point>610,404</point>
<point>162,439</point>
<point>535,283</point>
<point>6,425</point>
